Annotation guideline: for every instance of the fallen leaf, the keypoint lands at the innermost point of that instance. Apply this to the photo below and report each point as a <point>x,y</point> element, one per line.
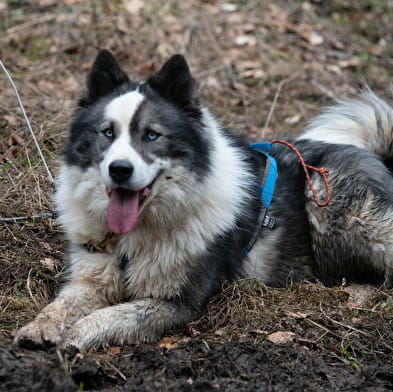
<point>375,50</point>
<point>228,7</point>
<point>168,343</point>
<point>46,245</point>
<point>315,38</point>
<point>296,315</point>
<point>113,350</point>
<point>49,263</point>
<point>356,320</point>
<point>10,119</point>
<point>253,73</point>
<point>245,40</point>
<point>133,7</point>
<point>281,337</point>
<point>357,295</point>
<point>293,120</point>
<point>15,139</point>
<point>306,32</point>
<point>220,332</point>
<point>353,62</point>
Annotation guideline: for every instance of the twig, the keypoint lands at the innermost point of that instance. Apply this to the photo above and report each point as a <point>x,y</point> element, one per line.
<point>118,371</point>
<point>27,121</point>
<point>324,89</point>
<point>29,289</point>
<point>342,324</point>
<point>35,21</point>
<point>25,218</point>
<point>276,95</point>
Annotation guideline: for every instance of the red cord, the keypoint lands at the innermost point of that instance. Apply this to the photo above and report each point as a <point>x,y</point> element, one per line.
<point>321,171</point>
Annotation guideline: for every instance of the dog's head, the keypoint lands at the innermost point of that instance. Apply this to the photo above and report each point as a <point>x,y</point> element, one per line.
<point>134,133</point>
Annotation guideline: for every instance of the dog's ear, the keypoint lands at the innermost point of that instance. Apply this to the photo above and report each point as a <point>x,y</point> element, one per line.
<point>104,77</point>
<point>175,83</point>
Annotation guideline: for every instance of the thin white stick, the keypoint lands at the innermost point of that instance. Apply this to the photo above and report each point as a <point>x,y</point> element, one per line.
<point>25,218</point>
<point>27,121</point>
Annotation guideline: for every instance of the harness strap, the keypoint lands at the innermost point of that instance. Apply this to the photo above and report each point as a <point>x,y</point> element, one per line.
<point>266,191</point>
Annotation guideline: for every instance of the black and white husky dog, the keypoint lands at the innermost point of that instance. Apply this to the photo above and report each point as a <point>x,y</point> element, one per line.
<point>161,205</point>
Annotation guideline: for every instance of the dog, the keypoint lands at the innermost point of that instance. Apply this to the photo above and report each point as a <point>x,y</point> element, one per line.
<point>161,206</point>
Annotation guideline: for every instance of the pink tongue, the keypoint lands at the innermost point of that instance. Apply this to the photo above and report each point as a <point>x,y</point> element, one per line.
<point>122,212</point>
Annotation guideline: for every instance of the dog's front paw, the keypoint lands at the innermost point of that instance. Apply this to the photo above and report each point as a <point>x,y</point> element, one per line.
<point>40,333</point>
<point>78,337</point>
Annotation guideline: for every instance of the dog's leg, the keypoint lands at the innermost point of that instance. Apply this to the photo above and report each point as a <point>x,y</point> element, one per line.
<point>95,283</point>
<point>143,320</point>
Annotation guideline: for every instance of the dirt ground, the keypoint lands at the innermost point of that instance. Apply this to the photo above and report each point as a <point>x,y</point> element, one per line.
<point>264,68</point>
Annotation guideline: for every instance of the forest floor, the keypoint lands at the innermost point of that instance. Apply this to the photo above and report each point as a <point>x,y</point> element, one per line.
<point>264,68</point>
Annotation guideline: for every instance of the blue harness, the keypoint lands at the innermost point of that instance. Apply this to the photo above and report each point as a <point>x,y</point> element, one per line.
<point>266,191</point>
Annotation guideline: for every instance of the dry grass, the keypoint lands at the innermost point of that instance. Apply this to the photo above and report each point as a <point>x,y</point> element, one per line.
<point>257,69</point>
<point>328,319</point>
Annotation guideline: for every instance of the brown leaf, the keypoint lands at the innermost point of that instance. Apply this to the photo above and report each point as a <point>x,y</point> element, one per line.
<point>312,37</point>
<point>220,331</point>
<point>49,263</point>
<point>167,342</point>
<point>281,337</point>
<point>10,119</point>
<point>353,62</point>
<point>46,245</point>
<point>133,7</point>
<point>113,350</point>
<point>14,151</point>
<point>245,40</point>
<point>293,119</point>
<point>15,139</point>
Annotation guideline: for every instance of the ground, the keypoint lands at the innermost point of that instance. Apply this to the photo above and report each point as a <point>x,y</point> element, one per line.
<point>265,68</point>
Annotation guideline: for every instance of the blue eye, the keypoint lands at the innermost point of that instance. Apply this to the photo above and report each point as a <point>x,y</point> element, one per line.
<point>108,133</point>
<point>152,135</point>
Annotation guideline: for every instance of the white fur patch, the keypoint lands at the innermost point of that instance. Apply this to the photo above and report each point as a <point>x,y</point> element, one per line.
<point>121,109</point>
<point>81,203</point>
<point>365,122</point>
<point>263,256</point>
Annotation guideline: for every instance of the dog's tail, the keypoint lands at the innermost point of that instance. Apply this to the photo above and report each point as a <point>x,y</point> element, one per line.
<point>365,122</point>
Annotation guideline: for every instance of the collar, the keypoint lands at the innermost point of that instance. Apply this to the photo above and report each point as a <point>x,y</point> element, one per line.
<point>266,191</point>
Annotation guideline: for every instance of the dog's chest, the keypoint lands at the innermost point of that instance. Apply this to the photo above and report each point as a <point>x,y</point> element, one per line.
<point>153,267</point>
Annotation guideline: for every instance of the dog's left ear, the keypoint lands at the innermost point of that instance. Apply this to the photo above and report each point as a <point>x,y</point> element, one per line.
<point>175,83</point>
<point>104,77</point>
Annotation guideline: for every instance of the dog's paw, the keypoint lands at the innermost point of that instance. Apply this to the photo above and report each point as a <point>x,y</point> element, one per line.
<point>75,339</point>
<point>40,333</point>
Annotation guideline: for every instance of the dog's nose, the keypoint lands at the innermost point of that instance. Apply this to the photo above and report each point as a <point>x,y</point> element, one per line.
<point>120,170</point>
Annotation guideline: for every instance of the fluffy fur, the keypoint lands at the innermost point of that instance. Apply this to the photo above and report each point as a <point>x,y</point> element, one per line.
<point>198,207</point>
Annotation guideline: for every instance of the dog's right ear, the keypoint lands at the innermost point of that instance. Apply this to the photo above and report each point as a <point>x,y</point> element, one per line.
<point>104,77</point>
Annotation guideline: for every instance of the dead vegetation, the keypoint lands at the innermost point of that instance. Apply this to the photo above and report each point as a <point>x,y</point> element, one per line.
<point>346,322</point>
<point>265,68</point>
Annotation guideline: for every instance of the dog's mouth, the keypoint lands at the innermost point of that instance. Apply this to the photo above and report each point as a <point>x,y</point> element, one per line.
<point>124,207</point>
